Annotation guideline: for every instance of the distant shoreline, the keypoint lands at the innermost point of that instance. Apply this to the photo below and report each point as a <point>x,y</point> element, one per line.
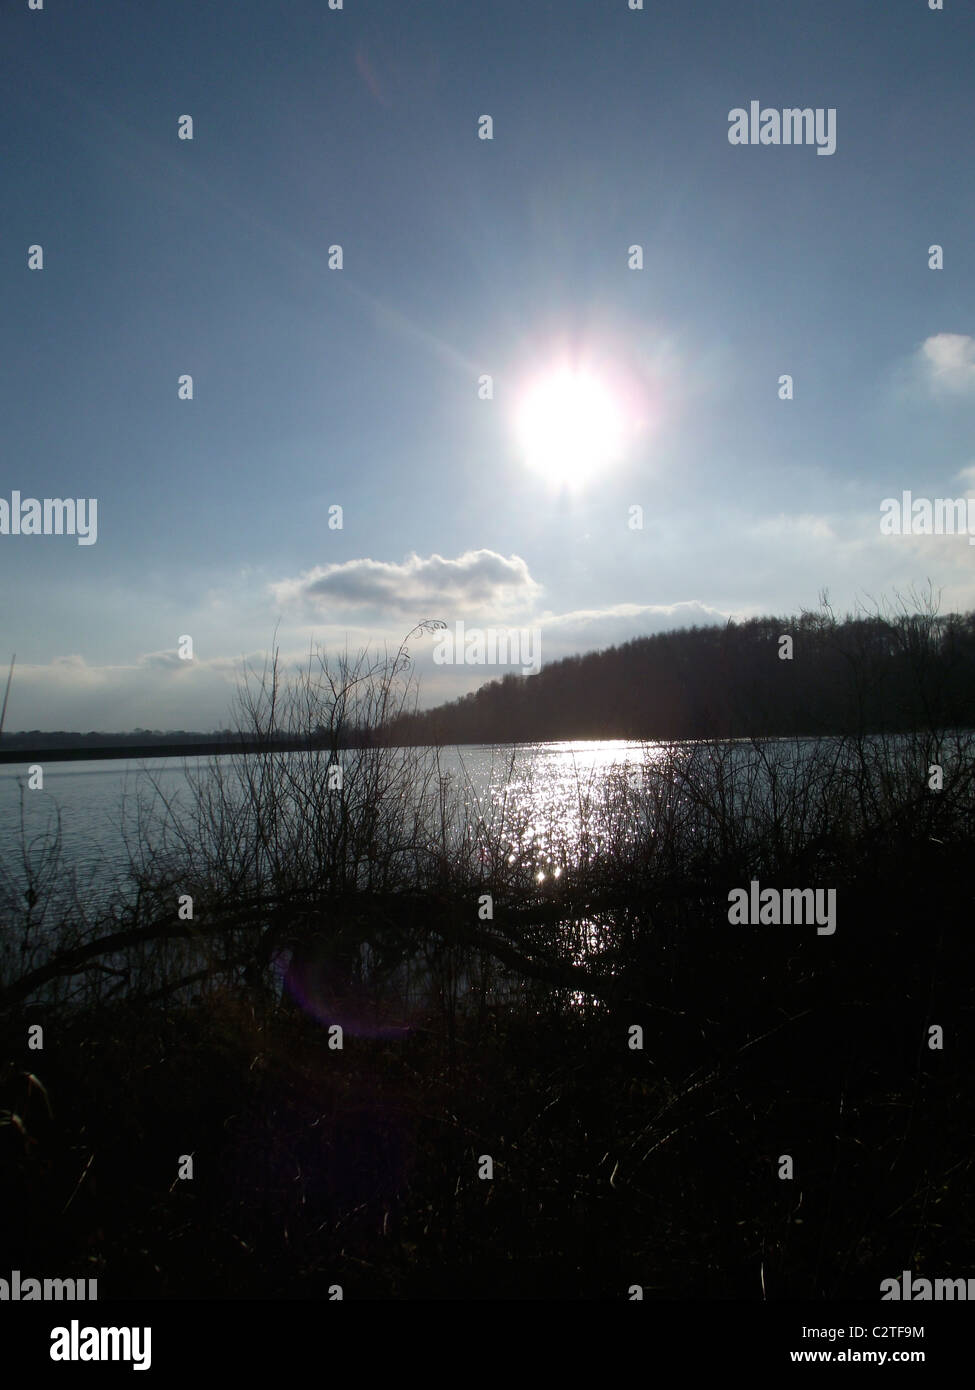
<point>205,748</point>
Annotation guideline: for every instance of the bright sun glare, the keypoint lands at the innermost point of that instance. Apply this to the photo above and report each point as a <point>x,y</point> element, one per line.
<point>569,426</point>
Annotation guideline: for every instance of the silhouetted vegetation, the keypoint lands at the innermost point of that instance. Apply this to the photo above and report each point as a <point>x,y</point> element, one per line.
<point>470,1032</point>
<point>869,673</point>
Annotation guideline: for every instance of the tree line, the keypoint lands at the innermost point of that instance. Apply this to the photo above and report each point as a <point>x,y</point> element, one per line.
<point>861,674</point>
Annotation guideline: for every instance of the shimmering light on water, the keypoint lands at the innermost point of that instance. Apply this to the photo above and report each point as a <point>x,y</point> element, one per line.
<point>546,793</point>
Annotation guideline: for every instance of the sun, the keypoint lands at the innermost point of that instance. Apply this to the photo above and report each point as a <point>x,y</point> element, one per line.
<point>569,426</point>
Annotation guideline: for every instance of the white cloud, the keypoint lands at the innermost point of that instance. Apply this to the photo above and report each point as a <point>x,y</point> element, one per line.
<point>946,362</point>
<point>478,583</point>
<point>156,691</point>
<point>584,630</point>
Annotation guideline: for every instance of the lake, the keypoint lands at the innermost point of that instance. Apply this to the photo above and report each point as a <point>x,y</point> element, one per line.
<point>549,793</point>
<point>98,801</point>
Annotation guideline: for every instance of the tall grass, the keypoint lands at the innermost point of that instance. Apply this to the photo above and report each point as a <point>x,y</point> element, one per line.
<point>607,910</point>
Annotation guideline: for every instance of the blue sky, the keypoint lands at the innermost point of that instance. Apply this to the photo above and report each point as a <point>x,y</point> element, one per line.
<point>464,257</point>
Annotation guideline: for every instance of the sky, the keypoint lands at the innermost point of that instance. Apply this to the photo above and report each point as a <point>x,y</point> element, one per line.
<point>488,386</point>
